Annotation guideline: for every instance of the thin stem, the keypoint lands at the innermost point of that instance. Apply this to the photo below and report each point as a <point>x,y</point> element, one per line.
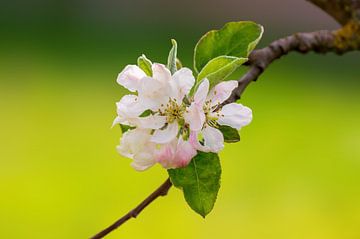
<point>160,191</point>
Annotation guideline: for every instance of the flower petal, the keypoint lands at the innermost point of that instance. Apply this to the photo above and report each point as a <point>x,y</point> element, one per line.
<point>162,136</point>
<point>235,115</point>
<point>201,92</point>
<point>151,122</point>
<point>153,93</point>
<point>221,92</point>
<point>194,141</point>
<point>195,117</point>
<point>182,82</point>
<point>176,154</point>
<point>184,153</point>
<point>130,77</point>
<point>116,121</point>
<point>161,73</point>
<point>213,139</point>
<point>135,144</point>
<point>166,153</point>
<point>143,161</point>
<point>128,108</point>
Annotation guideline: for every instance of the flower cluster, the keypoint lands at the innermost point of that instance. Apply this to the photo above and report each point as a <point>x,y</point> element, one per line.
<point>169,121</point>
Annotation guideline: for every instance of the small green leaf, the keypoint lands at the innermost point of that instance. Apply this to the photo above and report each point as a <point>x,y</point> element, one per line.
<point>125,128</point>
<point>219,68</point>
<point>200,181</point>
<point>234,39</point>
<point>145,113</point>
<point>171,65</point>
<point>145,64</point>
<point>231,135</point>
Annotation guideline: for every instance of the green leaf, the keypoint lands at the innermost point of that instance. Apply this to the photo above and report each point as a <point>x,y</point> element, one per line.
<point>171,65</point>
<point>219,68</point>
<point>200,181</point>
<point>231,135</point>
<point>145,113</point>
<point>234,39</point>
<point>125,128</point>
<point>145,64</point>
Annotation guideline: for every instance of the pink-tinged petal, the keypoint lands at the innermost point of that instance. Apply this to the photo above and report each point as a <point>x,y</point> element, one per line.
<point>195,117</point>
<point>221,92</point>
<point>161,73</point>
<point>163,136</point>
<point>166,153</point>
<point>213,139</point>
<point>184,153</point>
<point>201,92</point>
<point>235,115</point>
<point>131,77</point>
<point>182,82</point>
<point>151,122</point>
<point>176,154</point>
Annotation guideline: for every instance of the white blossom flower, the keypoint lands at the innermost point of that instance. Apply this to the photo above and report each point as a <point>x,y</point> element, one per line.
<point>162,93</point>
<point>205,113</point>
<point>175,125</point>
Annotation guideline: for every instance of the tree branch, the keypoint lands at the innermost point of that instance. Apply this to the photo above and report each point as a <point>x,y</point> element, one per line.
<point>341,10</point>
<point>347,38</point>
<point>340,41</point>
<point>161,191</point>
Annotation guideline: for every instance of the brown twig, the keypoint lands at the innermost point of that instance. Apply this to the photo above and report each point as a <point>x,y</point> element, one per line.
<point>259,60</point>
<point>161,191</point>
<point>347,38</point>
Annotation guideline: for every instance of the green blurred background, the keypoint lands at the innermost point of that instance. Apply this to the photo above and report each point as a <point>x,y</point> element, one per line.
<point>295,174</point>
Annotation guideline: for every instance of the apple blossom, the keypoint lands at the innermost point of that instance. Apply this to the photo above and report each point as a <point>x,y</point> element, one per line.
<point>162,95</point>
<point>176,125</point>
<point>206,112</point>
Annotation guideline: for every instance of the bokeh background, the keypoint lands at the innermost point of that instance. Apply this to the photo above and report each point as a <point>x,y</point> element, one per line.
<point>295,174</point>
